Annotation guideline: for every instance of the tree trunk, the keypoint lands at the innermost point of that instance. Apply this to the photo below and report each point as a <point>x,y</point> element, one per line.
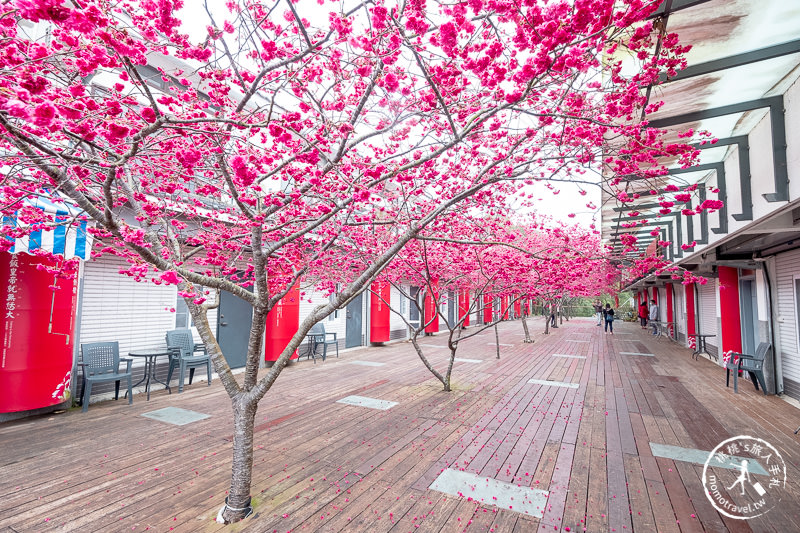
<point>237,506</point>
<point>548,317</point>
<point>497,340</point>
<point>445,379</point>
<point>528,339</point>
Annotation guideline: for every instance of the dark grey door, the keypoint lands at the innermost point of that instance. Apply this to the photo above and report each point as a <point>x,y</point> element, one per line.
<point>413,309</point>
<point>352,332</point>
<point>451,307</point>
<point>749,313</point>
<point>233,328</point>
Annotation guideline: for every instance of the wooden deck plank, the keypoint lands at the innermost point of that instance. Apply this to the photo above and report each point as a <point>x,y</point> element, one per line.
<point>368,471</point>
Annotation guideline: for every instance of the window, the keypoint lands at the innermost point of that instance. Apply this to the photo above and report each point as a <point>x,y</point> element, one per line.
<point>333,316</point>
<point>182,317</point>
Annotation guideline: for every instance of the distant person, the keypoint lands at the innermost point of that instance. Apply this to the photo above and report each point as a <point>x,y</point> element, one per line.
<point>643,313</point>
<point>653,316</point>
<point>609,315</point>
<point>598,310</point>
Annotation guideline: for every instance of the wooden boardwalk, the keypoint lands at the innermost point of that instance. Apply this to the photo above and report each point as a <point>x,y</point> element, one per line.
<point>324,466</point>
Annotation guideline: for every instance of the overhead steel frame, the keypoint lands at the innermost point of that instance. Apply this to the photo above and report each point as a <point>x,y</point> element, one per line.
<point>775,105</point>
<point>778,123</point>
<point>671,6</point>
<point>745,176</point>
<point>738,60</point>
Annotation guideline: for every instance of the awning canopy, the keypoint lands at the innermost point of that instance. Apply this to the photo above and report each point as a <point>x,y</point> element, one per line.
<point>61,231</point>
<point>744,56</point>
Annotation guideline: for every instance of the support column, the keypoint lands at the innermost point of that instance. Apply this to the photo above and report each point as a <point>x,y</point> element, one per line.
<point>431,307</point>
<point>463,307</point>
<point>379,313</point>
<point>729,308</point>
<point>487,309</point>
<point>282,323</point>
<point>691,328</point>
<point>670,315</point>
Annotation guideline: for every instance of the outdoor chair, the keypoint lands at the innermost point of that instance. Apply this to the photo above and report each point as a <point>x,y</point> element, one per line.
<point>101,363</point>
<point>181,342</point>
<point>753,364</point>
<point>319,337</point>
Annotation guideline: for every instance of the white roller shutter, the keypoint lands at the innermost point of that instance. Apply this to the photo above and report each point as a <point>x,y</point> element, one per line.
<point>708,311</point>
<point>117,308</point>
<point>787,266</point>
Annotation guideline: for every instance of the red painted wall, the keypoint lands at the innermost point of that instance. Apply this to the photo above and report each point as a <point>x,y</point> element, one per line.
<point>729,307</point>
<point>669,290</point>
<point>282,324</point>
<point>690,315</point>
<point>487,309</point>
<point>463,307</point>
<point>430,308</point>
<point>379,315</point>
<point>37,342</point>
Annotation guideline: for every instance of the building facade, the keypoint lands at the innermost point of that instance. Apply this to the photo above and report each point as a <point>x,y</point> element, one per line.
<point>741,85</point>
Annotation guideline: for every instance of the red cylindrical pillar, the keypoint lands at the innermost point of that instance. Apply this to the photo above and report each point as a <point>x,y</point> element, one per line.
<point>655,295</point>
<point>463,307</point>
<point>282,322</point>
<point>487,309</point>
<point>504,304</point>
<point>431,305</point>
<point>517,309</point>
<point>690,315</point>
<point>729,309</point>
<point>36,328</point>
<point>379,313</point>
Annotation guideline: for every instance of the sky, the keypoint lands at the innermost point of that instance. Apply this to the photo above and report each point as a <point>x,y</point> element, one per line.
<point>568,200</point>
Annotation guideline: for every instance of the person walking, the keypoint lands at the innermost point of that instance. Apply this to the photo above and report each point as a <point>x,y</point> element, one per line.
<point>598,311</point>
<point>609,314</point>
<point>643,312</point>
<point>653,316</point>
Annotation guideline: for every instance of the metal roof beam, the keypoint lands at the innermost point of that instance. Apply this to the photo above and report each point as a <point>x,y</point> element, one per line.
<point>745,177</point>
<point>738,60</point>
<point>778,123</point>
<point>675,5</point>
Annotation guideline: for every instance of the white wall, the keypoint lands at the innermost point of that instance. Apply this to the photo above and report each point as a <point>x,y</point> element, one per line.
<point>787,267</point>
<point>117,308</point>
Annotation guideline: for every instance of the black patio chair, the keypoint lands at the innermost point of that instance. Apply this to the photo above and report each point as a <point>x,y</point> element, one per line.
<point>181,342</point>
<point>753,364</point>
<point>100,364</point>
<point>320,338</point>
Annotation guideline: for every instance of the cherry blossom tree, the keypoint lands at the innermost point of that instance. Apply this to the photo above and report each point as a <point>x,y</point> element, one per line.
<point>452,261</point>
<point>264,152</point>
<point>498,261</point>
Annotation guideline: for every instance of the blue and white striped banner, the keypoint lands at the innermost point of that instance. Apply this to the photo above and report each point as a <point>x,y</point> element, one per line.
<point>66,235</point>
